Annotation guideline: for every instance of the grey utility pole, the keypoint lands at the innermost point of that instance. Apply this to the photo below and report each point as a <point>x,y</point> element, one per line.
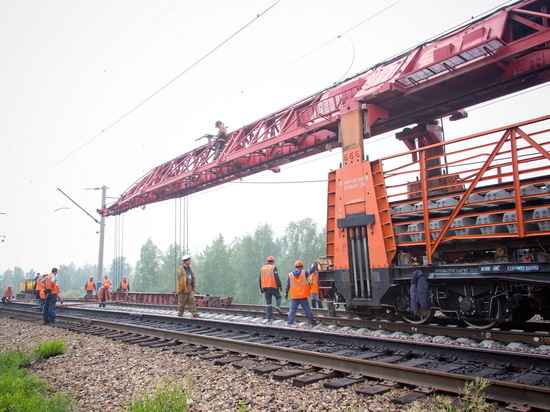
<point>101,235</point>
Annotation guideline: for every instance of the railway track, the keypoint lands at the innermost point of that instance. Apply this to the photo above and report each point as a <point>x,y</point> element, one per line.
<point>533,334</point>
<point>308,356</point>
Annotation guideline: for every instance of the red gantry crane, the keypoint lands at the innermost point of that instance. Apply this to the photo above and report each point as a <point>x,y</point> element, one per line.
<point>491,57</point>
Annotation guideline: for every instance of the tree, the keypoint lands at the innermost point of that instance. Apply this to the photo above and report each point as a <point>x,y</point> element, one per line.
<point>302,241</point>
<point>248,255</point>
<point>12,278</point>
<point>166,281</point>
<point>119,268</point>
<point>147,267</point>
<point>215,274</point>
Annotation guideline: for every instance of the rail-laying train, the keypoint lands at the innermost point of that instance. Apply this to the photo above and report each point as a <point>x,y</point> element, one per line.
<point>443,208</point>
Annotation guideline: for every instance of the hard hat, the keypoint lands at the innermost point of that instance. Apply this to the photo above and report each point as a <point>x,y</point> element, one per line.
<point>271,259</point>
<point>185,257</point>
<point>299,264</point>
<point>123,277</point>
<point>218,123</point>
<point>9,287</point>
<point>105,276</point>
<point>91,277</point>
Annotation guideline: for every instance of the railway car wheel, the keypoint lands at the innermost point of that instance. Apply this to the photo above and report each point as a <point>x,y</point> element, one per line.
<point>491,322</point>
<point>419,320</point>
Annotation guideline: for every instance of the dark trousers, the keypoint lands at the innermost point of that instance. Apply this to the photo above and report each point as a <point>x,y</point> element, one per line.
<point>48,311</point>
<point>269,294</point>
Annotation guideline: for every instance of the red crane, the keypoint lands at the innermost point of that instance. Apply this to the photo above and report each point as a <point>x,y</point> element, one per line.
<point>502,53</point>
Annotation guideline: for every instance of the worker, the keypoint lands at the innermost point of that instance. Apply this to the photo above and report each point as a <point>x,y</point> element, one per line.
<point>90,287</point>
<point>186,287</point>
<point>221,138</point>
<point>8,295</point>
<point>270,286</point>
<point>102,294</point>
<point>501,254</point>
<point>314,283</point>
<point>300,289</point>
<point>38,287</point>
<point>124,285</point>
<point>48,311</point>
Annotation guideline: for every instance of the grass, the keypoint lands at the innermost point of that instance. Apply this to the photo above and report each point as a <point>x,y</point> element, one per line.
<point>20,391</point>
<point>472,400</point>
<point>46,350</point>
<point>164,396</point>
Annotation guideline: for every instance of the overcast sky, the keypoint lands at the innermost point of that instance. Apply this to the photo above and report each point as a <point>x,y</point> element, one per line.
<point>100,92</point>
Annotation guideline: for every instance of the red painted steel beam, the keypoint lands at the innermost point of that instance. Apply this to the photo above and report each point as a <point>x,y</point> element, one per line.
<point>494,56</point>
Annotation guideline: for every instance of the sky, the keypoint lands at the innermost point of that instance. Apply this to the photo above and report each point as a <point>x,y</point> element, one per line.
<point>97,93</point>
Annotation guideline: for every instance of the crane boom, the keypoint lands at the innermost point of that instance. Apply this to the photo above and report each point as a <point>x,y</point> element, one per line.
<point>496,55</point>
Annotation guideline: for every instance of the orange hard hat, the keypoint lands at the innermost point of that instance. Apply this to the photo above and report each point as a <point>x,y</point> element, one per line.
<point>9,287</point>
<point>271,259</point>
<point>299,264</point>
<point>123,277</point>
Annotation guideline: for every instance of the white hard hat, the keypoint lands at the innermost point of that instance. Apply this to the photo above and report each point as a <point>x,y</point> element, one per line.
<point>185,257</point>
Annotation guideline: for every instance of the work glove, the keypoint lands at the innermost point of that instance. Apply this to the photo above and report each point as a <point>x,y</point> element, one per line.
<point>261,290</point>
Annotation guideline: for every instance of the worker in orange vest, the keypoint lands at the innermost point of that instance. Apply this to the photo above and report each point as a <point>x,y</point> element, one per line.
<point>104,293</point>
<point>48,312</point>
<point>270,286</point>
<point>300,289</point>
<point>124,285</point>
<point>8,295</point>
<point>38,287</point>
<point>314,283</point>
<point>90,287</point>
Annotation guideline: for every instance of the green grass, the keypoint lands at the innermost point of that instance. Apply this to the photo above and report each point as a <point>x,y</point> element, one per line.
<point>164,396</point>
<point>22,392</point>
<point>46,350</point>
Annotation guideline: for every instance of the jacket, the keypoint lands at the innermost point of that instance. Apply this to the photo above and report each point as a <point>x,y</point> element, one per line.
<point>185,280</point>
<point>420,292</point>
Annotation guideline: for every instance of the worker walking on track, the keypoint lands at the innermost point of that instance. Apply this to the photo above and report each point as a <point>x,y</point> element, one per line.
<point>186,287</point>
<point>48,311</point>
<point>90,287</point>
<point>270,286</point>
<point>300,289</point>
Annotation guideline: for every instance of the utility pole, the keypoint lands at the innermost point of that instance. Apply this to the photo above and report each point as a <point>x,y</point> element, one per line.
<point>101,234</point>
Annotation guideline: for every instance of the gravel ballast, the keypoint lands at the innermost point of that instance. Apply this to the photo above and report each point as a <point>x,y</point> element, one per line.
<point>107,375</point>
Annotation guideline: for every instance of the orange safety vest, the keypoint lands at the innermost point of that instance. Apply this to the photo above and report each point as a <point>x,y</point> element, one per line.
<point>90,285</point>
<point>42,294</point>
<point>39,286</point>
<point>267,275</point>
<point>8,293</point>
<point>299,286</point>
<point>56,288</point>
<point>48,284</point>
<point>313,283</point>
<point>124,285</point>
<point>107,284</point>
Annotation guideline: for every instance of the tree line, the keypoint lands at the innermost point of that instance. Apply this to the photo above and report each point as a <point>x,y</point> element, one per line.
<point>222,268</point>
